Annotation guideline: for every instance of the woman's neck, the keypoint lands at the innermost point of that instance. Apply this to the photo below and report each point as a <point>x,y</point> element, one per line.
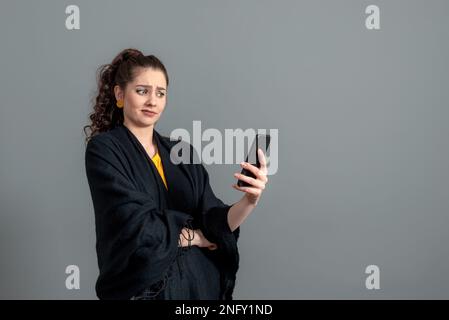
<point>145,137</point>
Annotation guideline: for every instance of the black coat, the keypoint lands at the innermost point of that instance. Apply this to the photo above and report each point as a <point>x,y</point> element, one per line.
<point>138,221</point>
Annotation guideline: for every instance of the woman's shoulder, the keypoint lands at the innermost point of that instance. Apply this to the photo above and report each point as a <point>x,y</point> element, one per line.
<point>104,141</point>
<point>109,137</point>
<point>100,138</point>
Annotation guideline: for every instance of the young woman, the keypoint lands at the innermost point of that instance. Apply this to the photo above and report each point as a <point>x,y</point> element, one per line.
<point>161,231</point>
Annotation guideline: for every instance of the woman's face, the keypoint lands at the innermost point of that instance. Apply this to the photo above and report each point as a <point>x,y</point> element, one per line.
<point>147,92</point>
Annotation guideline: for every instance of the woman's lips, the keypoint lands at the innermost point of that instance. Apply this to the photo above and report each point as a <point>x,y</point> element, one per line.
<point>149,113</point>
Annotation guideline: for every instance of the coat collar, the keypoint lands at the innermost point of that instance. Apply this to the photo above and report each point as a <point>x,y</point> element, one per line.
<point>172,171</point>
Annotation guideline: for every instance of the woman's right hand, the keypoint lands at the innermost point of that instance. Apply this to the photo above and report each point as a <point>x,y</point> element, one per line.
<point>198,240</point>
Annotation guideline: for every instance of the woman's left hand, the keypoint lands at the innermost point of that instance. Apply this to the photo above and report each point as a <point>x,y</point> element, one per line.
<point>253,192</point>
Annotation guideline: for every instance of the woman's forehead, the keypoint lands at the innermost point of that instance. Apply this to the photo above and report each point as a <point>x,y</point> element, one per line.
<point>150,77</point>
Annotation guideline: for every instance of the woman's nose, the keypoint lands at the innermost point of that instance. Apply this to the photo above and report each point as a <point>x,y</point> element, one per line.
<point>151,98</point>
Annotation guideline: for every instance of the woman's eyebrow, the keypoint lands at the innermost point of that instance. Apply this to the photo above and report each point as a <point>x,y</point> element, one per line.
<point>146,86</point>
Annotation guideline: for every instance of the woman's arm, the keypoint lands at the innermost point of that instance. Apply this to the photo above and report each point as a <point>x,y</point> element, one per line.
<point>197,239</point>
<point>239,212</point>
<point>221,221</point>
<point>241,209</point>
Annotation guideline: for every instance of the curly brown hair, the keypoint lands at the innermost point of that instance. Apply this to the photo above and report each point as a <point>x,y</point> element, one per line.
<point>120,71</point>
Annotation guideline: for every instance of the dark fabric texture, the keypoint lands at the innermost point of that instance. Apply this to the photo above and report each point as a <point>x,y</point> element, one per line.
<point>138,222</point>
<point>193,276</point>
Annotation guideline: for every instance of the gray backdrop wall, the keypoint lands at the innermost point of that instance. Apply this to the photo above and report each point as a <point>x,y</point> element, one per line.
<point>363,137</point>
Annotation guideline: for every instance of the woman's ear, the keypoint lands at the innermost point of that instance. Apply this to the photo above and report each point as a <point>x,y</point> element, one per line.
<point>118,92</point>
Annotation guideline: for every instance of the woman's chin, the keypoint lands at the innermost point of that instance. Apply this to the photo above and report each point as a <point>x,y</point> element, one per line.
<point>148,122</point>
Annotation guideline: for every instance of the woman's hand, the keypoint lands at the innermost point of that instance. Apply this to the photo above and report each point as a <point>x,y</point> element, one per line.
<point>198,239</point>
<point>254,192</point>
<point>202,241</point>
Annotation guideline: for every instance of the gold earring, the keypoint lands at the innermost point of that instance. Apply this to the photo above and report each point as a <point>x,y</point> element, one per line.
<point>119,103</point>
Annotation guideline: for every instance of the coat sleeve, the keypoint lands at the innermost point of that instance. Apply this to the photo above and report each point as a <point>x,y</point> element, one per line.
<point>214,216</point>
<point>215,213</point>
<point>136,242</point>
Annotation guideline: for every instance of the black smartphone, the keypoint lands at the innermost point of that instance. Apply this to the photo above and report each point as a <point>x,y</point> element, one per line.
<point>261,141</point>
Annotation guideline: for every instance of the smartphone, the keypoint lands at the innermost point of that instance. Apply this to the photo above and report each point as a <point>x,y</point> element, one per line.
<point>261,141</point>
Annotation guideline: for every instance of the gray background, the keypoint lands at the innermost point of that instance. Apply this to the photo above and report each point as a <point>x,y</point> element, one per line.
<point>363,137</point>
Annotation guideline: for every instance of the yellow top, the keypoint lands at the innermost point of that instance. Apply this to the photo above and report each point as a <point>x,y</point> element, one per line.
<point>158,163</point>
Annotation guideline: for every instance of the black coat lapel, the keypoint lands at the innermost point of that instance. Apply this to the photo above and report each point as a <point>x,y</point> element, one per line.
<point>145,170</point>
<point>181,187</point>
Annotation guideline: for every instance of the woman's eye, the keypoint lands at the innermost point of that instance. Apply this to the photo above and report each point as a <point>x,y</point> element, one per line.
<point>145,91</point>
